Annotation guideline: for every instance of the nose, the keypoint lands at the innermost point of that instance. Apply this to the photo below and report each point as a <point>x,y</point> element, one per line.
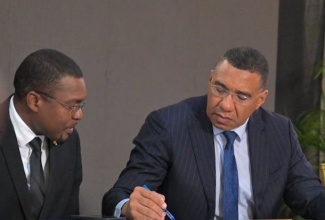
<point>227,103</point>
<point>78,114</point>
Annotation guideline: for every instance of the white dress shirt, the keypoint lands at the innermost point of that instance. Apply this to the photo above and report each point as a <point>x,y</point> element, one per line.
<point>24,135</point>
<point>245,199</point>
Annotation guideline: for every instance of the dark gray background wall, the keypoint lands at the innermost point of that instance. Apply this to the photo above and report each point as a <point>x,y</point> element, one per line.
<point>137,56</point>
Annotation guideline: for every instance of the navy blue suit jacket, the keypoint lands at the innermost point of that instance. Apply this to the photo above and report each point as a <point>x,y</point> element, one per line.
<point>65,176</point>
<point>174,155</point>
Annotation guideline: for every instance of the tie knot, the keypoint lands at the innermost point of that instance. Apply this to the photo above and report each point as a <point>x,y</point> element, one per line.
<point>36,144</point>
<point>230,136</point>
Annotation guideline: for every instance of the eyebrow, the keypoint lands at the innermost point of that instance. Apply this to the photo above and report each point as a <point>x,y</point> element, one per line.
<point>218,83</point>
<point>76,100</point>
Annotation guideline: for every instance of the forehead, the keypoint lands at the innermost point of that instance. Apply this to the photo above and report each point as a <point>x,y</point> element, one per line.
<point>72,86</point>
<point>235,79</point>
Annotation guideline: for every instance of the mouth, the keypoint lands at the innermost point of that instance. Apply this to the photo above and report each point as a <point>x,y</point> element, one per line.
<point>220,119</point>
<point>70,129</point>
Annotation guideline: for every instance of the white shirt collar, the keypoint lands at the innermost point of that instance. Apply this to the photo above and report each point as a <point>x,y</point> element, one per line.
<point>240,131</point>
<point>23,133</point>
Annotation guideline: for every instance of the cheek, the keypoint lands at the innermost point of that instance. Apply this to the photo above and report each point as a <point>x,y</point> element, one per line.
<point>56,119</point>
<point>246,112</point>
<point>212,102</point>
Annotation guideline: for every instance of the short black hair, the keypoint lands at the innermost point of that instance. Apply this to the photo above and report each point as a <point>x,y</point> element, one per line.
<point>249,59</point>
<point>42,70</point>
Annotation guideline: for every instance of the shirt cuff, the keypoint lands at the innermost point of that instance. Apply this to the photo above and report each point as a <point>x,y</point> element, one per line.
<point>118,208</point>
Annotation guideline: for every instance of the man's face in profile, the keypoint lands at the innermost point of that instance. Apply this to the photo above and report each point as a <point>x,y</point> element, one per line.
<point>55,117</point>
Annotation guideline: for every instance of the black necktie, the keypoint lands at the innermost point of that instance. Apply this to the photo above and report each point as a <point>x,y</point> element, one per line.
<point>230,182</point>
<point>37,185</point>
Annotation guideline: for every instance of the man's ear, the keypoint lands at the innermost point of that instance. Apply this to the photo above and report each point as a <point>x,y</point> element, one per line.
<point>211,75</point>
<point>262,97</point>
<point>33,100</point>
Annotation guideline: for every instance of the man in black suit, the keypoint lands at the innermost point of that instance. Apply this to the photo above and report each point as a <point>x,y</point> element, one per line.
<point>49,94</point>
<point>179,153</point>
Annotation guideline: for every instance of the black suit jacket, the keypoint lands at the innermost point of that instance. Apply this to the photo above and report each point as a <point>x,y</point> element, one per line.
<point>174,155</point>
<point>65,176</point>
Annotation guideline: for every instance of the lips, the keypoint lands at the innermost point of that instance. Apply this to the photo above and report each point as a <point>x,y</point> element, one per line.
<point>222,119</point>
<point>69,130</point>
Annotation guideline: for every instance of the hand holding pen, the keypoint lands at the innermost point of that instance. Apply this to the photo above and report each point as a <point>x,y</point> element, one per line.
<point>144,204</point>
<point>165,210</point>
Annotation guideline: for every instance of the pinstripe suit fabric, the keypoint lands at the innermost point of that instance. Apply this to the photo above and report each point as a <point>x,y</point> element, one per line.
<point>174,155</point>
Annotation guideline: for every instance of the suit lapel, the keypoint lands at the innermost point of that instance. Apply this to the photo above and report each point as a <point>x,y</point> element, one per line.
<point>201,135</point>
<point>258,151</point>
<point>10,150</point>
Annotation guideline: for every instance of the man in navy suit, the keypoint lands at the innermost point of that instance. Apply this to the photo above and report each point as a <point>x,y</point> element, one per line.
<point>49,94</point>
<point>178,154</point>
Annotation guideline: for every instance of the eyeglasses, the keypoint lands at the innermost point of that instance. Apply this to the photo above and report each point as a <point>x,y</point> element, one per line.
<point>73,108</point>
<point>220,91</point>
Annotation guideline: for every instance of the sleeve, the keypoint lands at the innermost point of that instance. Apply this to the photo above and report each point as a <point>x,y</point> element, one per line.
<point>304,192</point>
<point>148,163</point>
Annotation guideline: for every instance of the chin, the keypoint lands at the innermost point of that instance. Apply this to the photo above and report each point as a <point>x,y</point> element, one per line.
<point>223,126</point>
<point>62,138</point>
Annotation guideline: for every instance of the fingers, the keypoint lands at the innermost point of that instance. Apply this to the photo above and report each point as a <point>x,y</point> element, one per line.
<point>145,204</point>
<point>151,200</point>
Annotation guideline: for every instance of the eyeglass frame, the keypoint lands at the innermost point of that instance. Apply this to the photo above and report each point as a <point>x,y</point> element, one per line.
<point>235,96</point>
<point>73,108</point>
